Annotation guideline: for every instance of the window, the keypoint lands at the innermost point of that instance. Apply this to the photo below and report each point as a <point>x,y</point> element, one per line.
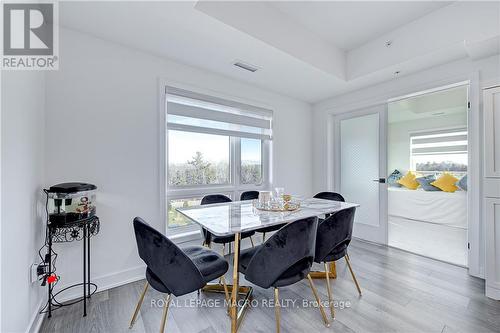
<point>251,161</point>
<point>439,151</point>
<point>175,219</point>
<point>197,159</point>
<point>213,146</point>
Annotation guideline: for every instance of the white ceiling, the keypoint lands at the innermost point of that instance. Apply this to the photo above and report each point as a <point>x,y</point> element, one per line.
<point>443,103</point>
<point>177,31</point>
<point>296,45</point>
<point>348,25</point>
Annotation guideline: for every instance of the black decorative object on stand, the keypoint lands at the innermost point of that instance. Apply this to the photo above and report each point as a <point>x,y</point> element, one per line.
<point>71,210</point>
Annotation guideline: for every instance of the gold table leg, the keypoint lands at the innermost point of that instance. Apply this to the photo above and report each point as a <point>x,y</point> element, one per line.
<point>332,274</point>
<point>236,312</point>
<point>234,290</point>
<point>219,288</point>
<point>329,288</point>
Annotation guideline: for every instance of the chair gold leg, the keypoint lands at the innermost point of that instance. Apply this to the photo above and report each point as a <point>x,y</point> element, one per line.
<point>138,306</point>
<point>223,250</point>
<point>263,237</point>
<point>226,291</point>
<point>277,309</point>
<point>315,293</point>
<point>352,273</point>
<point>329,288</point>
<point>251,241</point>
<point>165,312</point>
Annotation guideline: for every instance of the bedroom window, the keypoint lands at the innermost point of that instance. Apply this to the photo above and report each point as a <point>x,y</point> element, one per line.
<point>213,146</point>
<point>439,151</point>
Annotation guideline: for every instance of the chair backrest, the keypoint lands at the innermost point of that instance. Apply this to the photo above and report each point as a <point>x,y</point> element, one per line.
<point>214,198</point>
<point>291,245</point>
<point>167,261</point>
<point>330,196</point>
<point>249,195</point>
<point>334,232</point>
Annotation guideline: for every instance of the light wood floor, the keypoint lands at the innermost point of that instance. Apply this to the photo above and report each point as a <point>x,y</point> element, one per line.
<point>402,292</point>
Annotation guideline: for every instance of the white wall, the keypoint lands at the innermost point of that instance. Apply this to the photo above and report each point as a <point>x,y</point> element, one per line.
<point>102,127</point>
<point>22,214</point>
<point>398,136</point>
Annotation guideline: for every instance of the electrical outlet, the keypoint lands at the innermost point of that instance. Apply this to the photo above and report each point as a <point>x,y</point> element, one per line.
<point>33,273</point>
<point>37,270</point>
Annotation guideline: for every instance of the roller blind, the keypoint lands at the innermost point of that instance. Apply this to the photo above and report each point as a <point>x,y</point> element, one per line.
<point>439,142</point>
<point>194,112</point>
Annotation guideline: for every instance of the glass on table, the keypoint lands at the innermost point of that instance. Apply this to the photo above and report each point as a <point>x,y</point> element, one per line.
<point>278,193</point>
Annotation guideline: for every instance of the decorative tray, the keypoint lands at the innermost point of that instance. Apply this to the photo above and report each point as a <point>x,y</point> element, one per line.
<point>277,207</point>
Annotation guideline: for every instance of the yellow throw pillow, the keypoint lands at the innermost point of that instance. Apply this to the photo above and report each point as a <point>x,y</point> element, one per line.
<point>446,183</point>
<point>409,181</point>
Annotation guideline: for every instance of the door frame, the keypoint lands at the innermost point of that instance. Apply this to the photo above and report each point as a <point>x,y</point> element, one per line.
<point>476,232</point>
<point>381,110</point>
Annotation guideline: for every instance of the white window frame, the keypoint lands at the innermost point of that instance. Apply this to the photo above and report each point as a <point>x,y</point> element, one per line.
<point>233,189</point>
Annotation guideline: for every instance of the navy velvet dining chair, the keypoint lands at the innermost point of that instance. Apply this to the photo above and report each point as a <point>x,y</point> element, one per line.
<point>249,195</point>
<point>252,195</point>
<point>208,237</point>
<point>284,259</point>
<point>329,196</point>
<point>333,238</point>
<point>172,270</point>
<point>333,196</point>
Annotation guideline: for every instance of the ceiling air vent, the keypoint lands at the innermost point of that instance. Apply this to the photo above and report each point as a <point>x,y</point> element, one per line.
<point>246,67</point>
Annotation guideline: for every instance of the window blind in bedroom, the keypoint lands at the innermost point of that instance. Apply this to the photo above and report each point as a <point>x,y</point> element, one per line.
<point>439,142</point>
<point>194,112</point>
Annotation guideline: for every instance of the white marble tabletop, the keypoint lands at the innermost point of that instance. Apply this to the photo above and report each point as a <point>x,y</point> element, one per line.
<point>226,219</point>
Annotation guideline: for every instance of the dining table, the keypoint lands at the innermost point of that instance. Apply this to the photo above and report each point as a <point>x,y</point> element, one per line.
<point>237,217</point>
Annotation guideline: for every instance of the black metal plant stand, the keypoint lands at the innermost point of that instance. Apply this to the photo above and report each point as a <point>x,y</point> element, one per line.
<point>68,232</point>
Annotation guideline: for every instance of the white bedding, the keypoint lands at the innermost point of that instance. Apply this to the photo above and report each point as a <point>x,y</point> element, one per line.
<point>434,207</point>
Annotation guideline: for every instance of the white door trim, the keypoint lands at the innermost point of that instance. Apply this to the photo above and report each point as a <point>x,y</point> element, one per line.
<point>475,227</point>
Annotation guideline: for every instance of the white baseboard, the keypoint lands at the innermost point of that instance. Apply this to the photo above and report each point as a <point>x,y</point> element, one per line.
<point>492,292</point>
<point>106,282</point>
<point>36,319</point>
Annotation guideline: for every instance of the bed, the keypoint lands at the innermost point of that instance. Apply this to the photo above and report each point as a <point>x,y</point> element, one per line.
<point>444,208</point>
